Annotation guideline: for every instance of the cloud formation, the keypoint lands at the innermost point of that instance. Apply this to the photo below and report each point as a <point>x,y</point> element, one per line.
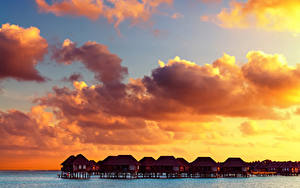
<point>178,102</point>
<point>179,90</point>
<point>31,130</point>
<point>224,88</point>
<point>96,58</point>
<point>275,15</point>
<point>20,51</point>
<point>114,11</point>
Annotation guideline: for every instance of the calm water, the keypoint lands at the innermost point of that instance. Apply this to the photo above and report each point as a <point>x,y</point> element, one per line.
<point>49,179</point>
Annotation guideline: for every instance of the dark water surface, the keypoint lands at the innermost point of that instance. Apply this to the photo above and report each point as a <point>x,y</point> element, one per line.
<point>49,179</point>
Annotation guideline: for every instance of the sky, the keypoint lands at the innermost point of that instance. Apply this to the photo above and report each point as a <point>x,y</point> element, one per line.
<point>218,78</point>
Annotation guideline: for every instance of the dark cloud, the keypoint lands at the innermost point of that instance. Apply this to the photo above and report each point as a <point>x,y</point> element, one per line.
<point>73,77</point>
<point>96,57</point>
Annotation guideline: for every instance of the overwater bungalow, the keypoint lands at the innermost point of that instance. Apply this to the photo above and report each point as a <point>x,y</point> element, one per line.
<point>75,167</point>
<point>93,167</point>
<point>183,168</point>
<point>67,165</point>
<point>146,167</point>
<point>121,166</point>
<point>106,166</point>
<point>167,166</point>
<point>204,167</point>
<point>234,167</point>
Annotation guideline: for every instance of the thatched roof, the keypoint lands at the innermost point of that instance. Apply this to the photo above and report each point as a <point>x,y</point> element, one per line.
<point>147,161</point>
<point>234,162</point>
<point>92,162</point>
<point>183,162</point>
<point>166,161</point>
<point>69,160</point>
<point>108,158</point>
<point>204,162</point>
<point>120,160</point>
<point>81,160</point>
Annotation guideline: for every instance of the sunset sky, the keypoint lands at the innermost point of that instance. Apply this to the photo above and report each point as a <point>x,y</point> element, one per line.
<point>188,78</point>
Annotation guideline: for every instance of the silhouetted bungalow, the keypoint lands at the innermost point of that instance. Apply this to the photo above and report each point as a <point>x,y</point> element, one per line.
<point>167,165</point>
<point>146,164</point>
<point>107,165</point>
<point>93,166</point>
<point>234,167</point>
<point>99,164</point>
<point>67,165</point>
<point>204,167</point>
<point>184,165</point>
<point>80,163</point>
<point>183,168</point>
<point>146,167</point>
<point>75,167</point>
<point>119,166</point>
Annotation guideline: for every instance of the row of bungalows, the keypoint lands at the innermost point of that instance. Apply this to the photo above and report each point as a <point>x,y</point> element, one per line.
<point>126,166</point>
<point>206,167</point>
<point>268,167</point>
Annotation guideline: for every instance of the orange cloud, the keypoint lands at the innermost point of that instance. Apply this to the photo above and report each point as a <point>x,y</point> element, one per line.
<point>21,49</point>
<point>222,88</point>
<point>275,15</point>
<point>88,8</point>
<point>114,11</point>
<point>277,83</point>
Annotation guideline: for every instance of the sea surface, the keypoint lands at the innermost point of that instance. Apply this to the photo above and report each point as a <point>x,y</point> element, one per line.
<point>49,179</point>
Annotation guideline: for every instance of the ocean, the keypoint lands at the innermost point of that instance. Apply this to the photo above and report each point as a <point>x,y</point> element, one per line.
<point>49,179</point>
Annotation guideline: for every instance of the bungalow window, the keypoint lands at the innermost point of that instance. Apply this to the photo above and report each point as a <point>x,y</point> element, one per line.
<point>79,167</point>
<point>131,167</point>
<point>176,168</point>
<point>84,167</point>
<point>244,169</point>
